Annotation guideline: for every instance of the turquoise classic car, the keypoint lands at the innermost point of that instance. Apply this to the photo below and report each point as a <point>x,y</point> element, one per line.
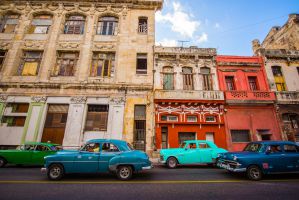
<point>96,156</point>
<point>191,152</point>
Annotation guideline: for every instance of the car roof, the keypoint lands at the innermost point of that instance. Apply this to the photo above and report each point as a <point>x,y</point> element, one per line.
<point>107,140</point>
<point>274,142</point>
<point>42,143</point>
<point>198,141</point>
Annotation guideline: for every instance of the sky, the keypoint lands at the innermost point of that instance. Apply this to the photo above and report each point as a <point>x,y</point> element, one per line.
<point>227,25</point>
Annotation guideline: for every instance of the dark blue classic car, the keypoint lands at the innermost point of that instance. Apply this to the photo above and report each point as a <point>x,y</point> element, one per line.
<point>258,158</point>
<point>97,156</point>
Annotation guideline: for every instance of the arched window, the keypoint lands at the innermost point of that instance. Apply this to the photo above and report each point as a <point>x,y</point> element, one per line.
<point>187,78</point>
<point>74,24</point>
<point>278,78</point>
<point>168,83</point>
<point>107,25</point>
<point>40,24</point>
<point>206,78</point>
<point>9,22</point>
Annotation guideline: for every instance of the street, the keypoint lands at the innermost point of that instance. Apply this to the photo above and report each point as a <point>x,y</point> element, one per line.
<point>188,182</point>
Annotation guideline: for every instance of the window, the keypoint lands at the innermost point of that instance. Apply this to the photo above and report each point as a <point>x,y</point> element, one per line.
<point>187,78</point>
<point>109,147</point>
<point>265,134</point>
<point>278,78</point>
<point>74,25</point>
<point>56,116</point>
<point>210,136</point>
<point>141,67</point>
<point>8,23</point>
<point>97,117</point>
<point>13,114</point>
<point>107,26</point>
<point>169,118</point>
<point>40,24</point>
<point>252,80</point>
<point>191,118</point>
<point>91,147</point>
<point>240,135</point>
<point>203,146</point>
<point>191,145</point>
<point>290,148</point>
<point>274,149</point>
<point>142,25</point>
<point>41,148</point>
<point>2,57</point>
<point>183,136</point>
<point>102,65</point>
<point>292,119</point>
<point>18,107</point>
<point>164,141</point>
<point>207,78</point>
<point>230,85</point>
<point>30,63</point>
<point>14,120</point>
<point>140,127</point>
<point>168,78</point>
<point>210,118</point>
<point>66,63</point>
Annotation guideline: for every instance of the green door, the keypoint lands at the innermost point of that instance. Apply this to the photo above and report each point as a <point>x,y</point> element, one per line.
<point>23,156</point>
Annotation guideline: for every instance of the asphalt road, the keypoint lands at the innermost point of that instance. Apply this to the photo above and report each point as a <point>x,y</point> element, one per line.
<point>191,182</point>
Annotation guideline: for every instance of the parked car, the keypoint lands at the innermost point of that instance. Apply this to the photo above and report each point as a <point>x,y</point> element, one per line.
<point>259,158</point>
<point>32,153</point>
<point>99,155</point>
<point>191,152</point>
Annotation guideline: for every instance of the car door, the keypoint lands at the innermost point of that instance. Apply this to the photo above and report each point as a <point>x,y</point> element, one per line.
<point>291,158</point>
<point>274,159</point>
<point>108,151</point>
<point>39,153</point>
<point>86,161</point>
<point>205,152</point>
<point>190,155</point>
<point>23,156</point>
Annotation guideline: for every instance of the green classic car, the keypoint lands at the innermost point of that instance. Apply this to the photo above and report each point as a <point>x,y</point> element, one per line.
<point>27,154</point>
<point>191,152</point>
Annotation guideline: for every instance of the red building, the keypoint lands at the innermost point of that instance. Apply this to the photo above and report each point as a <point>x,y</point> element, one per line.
<point>249,105</point>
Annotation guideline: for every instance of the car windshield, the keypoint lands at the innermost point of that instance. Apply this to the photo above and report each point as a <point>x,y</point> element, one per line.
<point>253,147</point>
<point>130,146</point>
<point>183,145</point>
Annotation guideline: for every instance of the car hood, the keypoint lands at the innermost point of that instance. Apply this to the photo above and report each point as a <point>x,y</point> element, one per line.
<point>239,154</point>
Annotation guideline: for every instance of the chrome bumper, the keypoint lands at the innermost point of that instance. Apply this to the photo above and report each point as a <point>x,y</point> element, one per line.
<point>147,167</point>
<point>43,170</point>
<point>231,169</point>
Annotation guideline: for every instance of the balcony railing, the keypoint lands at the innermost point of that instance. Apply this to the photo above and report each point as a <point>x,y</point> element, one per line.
<point>189,94</point>
<point>250,95</point>
<point>288,97</point>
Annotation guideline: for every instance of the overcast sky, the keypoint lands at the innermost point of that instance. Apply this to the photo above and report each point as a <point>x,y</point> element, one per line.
<point>228,25</point>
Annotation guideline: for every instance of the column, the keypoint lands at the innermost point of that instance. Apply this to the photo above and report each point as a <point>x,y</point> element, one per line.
<point>116,118</point>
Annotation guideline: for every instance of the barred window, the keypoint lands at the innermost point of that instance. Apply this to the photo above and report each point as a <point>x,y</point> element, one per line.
<point>40,24</point>
<point>252,80</point>
<point>168,83</point>
<point>66,63</point>
<point>8,23</point>
<point>141,67</point>
<point>97,118</point>
<point>240,135</point>
<point>142,25</point>
<point>74,25</point>
<point>2,57</point>
<point>187,78</point>
<point>107,26</point>
<point>207,78</point>
<point>103,64</point>
<point>230,84</point>
<point>30,63</point>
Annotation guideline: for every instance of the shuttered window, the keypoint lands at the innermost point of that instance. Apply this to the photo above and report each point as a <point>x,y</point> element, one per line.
<point>103,64</point>
<point>97,118</point>
<point>240,135</point>
<point>74,25</point>
<point>66,64</point>
<point>30,63</point>
<point>206,78</point>
<point>40,24</point>
<point>8,23</point>
<point>187,78</point>
<point>278,78</point>
<point>168,83</point>
<point>252,80</point>
<point>230,85</point>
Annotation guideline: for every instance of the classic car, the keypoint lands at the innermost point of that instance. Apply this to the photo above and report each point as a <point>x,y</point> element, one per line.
<point>32,153</point>
<point>191,152</point>
<point>97,156</point>
<point>265,157</point>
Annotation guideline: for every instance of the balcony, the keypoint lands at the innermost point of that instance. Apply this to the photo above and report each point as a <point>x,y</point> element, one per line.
<point>189,95</point>
<point>288,97</point>
<point>250,96</point>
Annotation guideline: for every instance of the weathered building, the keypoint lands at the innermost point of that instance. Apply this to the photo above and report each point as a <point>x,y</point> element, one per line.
<point>72,71</point>
<point>188,103</point>
<point>280,50</point>
<point>249,109</point>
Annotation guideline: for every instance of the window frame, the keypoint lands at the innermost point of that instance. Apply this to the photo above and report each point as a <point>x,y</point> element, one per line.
<point>143,25</point>
<point>61,56</point>
<point>253,83</point>
<point>209,121</point>
<point>192,116</point>
<point>235,130</point>
<point>76,23</point>
<point>230,80</point>
<point>97,60</point>
<point>5,18</point>
<point>188,82</point>
<point>33,27</point>
<point>143,58</point>
<point>207,79</point>
<point>102,125</point>
<point>26,58</point>
<point>100,26</point>
<point>2,58</point>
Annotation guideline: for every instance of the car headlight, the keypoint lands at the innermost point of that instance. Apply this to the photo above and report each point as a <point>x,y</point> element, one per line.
<point>235,158</point>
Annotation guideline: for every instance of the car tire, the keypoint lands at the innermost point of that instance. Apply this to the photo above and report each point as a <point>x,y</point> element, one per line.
<point>55,172</point>
<point>254,173</point>
<point>172,162</point>
<point>3,162</point>
<point>124,172</point>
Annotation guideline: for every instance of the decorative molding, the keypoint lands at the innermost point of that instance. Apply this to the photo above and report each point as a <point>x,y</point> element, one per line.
<point>68,45</point>
<point>117,100</point>
<point>104,47</point>
<point>39,99</point>
<point>3,98</point>
<point>78,99</point>
<point>34,44</point>
<point>5,45</point>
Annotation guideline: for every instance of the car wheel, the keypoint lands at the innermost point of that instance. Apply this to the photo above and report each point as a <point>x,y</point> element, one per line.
<point>254,173</point>
<point>172,162</point>
<point>2,162</point>
<point>55,172</point>
<point>124,172</point>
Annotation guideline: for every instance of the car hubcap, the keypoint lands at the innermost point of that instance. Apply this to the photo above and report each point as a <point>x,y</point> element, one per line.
<point>55,172</point>
<point>172,163</point>
<point>124,172</point>
<point>255,173</point>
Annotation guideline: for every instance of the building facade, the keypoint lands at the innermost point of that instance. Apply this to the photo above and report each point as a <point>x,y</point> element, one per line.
<point>188,103</point>
<point>280,50</point>
<point>73,71</point>
<point>249,110</point>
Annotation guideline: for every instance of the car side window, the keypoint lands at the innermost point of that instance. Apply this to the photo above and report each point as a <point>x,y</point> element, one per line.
<point>290,148</point>
<point>41,148</point>
<point>91,147</point>
<point>109,147</point>
<point>274,149</point>
<point>29,147</point>
<point>191,145</point>
<point>203,146</point>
